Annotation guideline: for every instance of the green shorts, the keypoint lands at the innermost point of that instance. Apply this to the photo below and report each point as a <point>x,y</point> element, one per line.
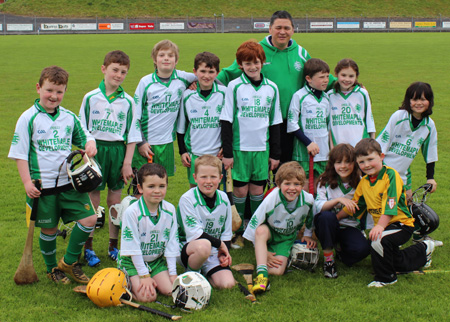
<point>191,169</point>
<point>250,165</point>
<point>319,167</point>
<point>164,155</point>
<point>110,156</point>
<point>125,263</point>
<point>280,244</point>
<point>69,206</point>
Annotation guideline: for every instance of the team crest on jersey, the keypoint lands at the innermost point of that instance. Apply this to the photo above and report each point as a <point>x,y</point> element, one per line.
<point>268,100</point>
<point>166,233</point>
<point>138,125</point>
<point>16,139</point>
<point>121,116</point>
<point>219,109</point>
<point>190,221</point>
<point>221,220</point>
<point>290,116</point>
<point>136,99</point>
<point>127,234</point>
<point>253,222</point>
<point>87,206</point>
<point>391,203</point>
<point>68,130</point>
<point>385,137</point>
<point>358,108</point>
<point>298,66</point>
<point>420,142</point>
<point>179,92</point>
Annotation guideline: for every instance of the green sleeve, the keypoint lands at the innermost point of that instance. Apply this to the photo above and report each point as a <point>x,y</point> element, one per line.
<point>227,74</point>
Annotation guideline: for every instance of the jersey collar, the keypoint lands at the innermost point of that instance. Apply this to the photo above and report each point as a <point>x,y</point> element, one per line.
<point>42,110</point>
<point>145,212</point>
<point>201,201</point>
<point>312,94</point>
<point>348,94</point>
<point>379,176</point>
<point>342,187</point>
<point>111,98</point>
<point>245,80</point>
<point>171,78</point>
<point>300,201</point>
<point>213,90</point>
<point>423,122</point>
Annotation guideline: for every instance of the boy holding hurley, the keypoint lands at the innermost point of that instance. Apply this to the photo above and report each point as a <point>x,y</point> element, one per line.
<point>42,141</point>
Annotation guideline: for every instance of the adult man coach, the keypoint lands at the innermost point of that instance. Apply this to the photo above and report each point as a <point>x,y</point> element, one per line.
<point>284,66</point>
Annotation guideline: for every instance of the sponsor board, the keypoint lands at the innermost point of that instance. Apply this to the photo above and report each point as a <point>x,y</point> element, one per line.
<point>445,24</point>
<point>1,27</point>
<point>19,27</point>
<point>110,26</point>
<point>347,25</point>
<point>321,25</point>
<point>56,26</point>
<point>261,25</point>
<point>201,25</point>
<point>171,25</point>
<point>400,25</point>
<point>374,24</point>
<point>425,24</point>
<point>142,26</point>
<point>84,26</point>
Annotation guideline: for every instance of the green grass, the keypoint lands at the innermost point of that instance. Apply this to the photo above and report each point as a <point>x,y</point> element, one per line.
<point>388,64</point>
<point>239,8</point>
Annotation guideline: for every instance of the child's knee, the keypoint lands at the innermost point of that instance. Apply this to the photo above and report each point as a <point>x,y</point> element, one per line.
<point>262,232</point>
<point>201,248</point>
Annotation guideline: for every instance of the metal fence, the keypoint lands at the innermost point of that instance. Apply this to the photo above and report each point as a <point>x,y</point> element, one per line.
<point>215,24</point>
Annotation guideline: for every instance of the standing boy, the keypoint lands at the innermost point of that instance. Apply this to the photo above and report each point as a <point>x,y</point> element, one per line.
<point>158,98</point>
<point>198,122</point>
<point>109,115</point>
<point>308,118</point>
<point>149,233</point>
<point>251,122</point>
<point>381,194</point>
<point>275,224</point>
<point>204,224</point>
<point>42,141</point>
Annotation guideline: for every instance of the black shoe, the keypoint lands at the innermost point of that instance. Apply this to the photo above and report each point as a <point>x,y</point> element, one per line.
<point>329,270</point>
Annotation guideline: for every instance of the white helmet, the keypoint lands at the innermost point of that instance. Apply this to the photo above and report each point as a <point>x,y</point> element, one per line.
<point>120,209</point>
<point>303,258</point>
<point>191,290</point>
<point>84,177</point>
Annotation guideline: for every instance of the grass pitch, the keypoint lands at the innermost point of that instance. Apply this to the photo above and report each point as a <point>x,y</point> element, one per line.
<point>388,64</point>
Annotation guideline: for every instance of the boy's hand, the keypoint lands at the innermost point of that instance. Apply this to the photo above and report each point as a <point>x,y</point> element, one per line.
<point>273,164</point>
<point>433,185</point>
<point>193,86</point>
<point>186,160</point>
<point>147,286</point>
<point>172,278</point>
<point>223,255</point>
<point>272,261</point>
<point>376,232</point>
<point>90,148</point>
<point>313,148</point>
<point>31,190</point>
<point>228,163</point>
<point>349,204</point>
<point>310,243</point>
<point>145,150</point>
<point>220,154</point>
<point>127,172</point>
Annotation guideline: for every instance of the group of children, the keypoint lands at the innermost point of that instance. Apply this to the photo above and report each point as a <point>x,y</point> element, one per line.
<point>218,127</point>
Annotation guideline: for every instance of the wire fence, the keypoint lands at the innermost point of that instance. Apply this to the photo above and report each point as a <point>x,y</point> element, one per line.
<point>217,23</point>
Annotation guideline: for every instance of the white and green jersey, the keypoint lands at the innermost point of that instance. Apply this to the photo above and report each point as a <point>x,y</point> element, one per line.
<point>149,236</point>
<point>274,212</point>
<point>326,193</point>
<point>251,110</point>
<point>400,142</point>
<point>110,118</point>
<point>351,116</point>
<point>312,116</point>
<point>158,104</point>
<point>194,217</point>
<point>199,120</point>
<point>45,141</point>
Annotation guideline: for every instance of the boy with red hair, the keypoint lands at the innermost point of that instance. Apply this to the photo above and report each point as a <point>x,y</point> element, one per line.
<point>250,122</point>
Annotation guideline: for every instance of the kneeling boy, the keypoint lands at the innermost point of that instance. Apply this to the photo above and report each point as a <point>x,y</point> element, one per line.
<point>204,224</point>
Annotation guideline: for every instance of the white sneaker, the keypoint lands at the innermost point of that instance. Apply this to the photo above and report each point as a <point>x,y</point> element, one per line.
<point>437,243</point>
<point>379,284</point>
<point>430,248</point>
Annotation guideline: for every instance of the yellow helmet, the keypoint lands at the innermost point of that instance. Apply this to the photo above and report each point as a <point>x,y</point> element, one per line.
<point>107,287</point>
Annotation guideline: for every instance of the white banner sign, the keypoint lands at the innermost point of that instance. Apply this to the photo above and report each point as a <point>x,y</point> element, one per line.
<point>19,27</point>
<point>375,25</point>
<point>322,25</point>
<point>348,25</point>
<point>1,27</point>
<point>84,26</point>
<point>56,26</point>
<point>171,25</point>
<point>445,24</point>
<point>261,25</point>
